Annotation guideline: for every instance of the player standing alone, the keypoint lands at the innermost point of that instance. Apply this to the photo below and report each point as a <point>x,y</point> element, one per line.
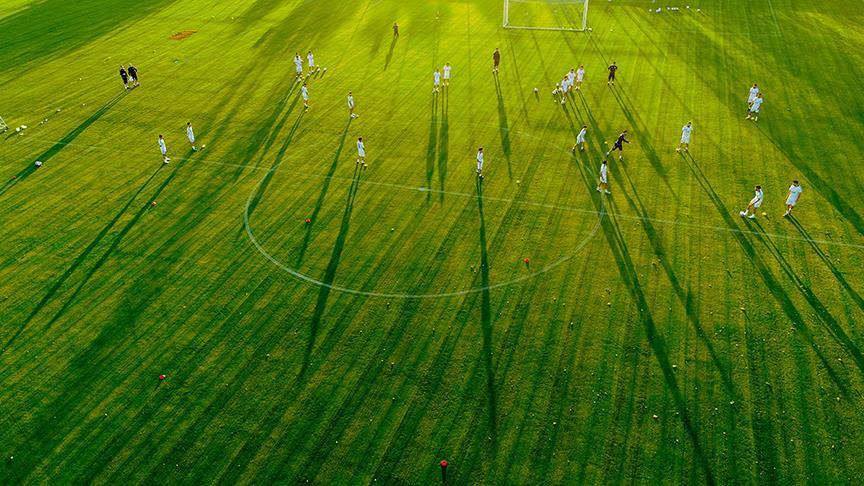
<point>604,178</point>
<point>619,145</point>
<point>792,199</point>
<point>686,130</point>
<point>611,79</point>
<point>190,134</point>
<point>361,153</point>
<point>580,139</point>
<point>304,91</point>
<point>480,162</point>
<point>754,204</point>
<point>496,60</point>
<point>163,149</point>
<point>395,29</point>
<point>351,106</point>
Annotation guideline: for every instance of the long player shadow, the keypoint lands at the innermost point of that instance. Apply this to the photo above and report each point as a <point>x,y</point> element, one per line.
<point>771,283</point>
<point>685,297</point>
<point>79,260</point>
<point>827,261</point>
<point>61,144</point>
<point>822,313</point>
<point>628,272</point>
<point>432,145</point>
<point>322,195</point>
<point>277,162</point>
<point>390,52</point>
<point>116,242</point>
<point>629,275</point>
<point>503,126</point>
<point>647,147</point>
<point>486,319</point>
<point>330,272</point>
<point>443,142</point>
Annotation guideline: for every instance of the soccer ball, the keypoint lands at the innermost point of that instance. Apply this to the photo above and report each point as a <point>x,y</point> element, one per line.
<point>38,163</point>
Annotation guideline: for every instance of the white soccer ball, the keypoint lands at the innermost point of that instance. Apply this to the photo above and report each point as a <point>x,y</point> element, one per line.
<point>38,163</point>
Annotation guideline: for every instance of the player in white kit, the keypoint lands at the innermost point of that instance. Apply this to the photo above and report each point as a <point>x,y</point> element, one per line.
<point>754,91</point>
<point>604,178</point>
<point>580,139</point>
<point>480,162</point>
<point>580,76</point>
<point>298,64</point>
<point>685,137</point>
<point>436,81</point>
<point>792,199</point>
<point>351,106</point>
<point>163,149</point>
<point>447,75</point>
<point>754,108</point>
<point>310,59</point>
<point>190,134</point>
<point>361,153</point>
<point>754,204</point>
<point>304,92</point>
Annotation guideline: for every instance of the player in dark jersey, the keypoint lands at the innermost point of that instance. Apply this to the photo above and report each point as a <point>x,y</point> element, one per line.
<point>124,77</point>
<point>133,75</point>
<point>619,144</point>
<point>612,68</point>
<point>496,59</point>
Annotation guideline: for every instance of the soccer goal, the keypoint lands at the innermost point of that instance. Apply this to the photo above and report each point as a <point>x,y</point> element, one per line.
<point>561,15</point>
<point>3,125</point>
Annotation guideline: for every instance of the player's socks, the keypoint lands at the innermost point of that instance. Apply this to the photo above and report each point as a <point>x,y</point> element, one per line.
<point>752,216</point>
<point>598,188</point>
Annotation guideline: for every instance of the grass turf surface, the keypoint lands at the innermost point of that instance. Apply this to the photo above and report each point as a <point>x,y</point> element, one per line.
<point>654,337</point>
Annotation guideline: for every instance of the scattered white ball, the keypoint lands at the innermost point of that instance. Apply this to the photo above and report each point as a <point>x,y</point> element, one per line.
<point>38,163</point>
<point>536,90</point>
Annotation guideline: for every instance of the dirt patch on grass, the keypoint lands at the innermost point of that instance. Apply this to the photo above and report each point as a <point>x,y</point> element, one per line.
<point>183,34</point>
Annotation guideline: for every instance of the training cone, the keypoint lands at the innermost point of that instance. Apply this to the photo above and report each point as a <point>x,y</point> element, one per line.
<point>308,220</point>
<point>527,261</point>
<point>161,377</point>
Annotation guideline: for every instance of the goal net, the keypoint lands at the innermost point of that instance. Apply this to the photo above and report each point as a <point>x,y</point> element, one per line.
<point>565,15</point>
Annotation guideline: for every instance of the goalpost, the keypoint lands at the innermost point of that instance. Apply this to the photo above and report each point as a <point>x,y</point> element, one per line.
<point>3,125</point>
<point>558,15</point>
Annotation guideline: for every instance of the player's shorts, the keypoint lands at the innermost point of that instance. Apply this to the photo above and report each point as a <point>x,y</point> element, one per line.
<point>361,153</point>
<point>580,139</point>
<point>685,139</point>
<point>618,146</point>
<point>612,75</point>
<point>579,80</point>
<point>603,180</point>
<point>191,138</point>
<point>446,76</point>
<point>791,201</point>
<point>753,109</point>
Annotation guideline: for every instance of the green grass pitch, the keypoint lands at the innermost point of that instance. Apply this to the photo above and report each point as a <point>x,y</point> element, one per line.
<point>654,336</point>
